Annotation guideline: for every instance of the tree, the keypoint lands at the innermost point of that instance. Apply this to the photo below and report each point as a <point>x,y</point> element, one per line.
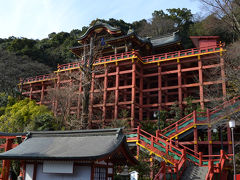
<point>227,11</point>
<point>158,25</point>
<point>232,64</point>
<point>14,67</point>
<point>24,115</point>
<point>212,26</point>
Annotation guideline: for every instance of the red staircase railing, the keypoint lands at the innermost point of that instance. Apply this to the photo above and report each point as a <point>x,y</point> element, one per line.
<point>219,167</point>
<point>200,118</point>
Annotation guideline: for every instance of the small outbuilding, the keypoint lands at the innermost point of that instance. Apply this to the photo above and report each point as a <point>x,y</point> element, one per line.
<point>72,155</point>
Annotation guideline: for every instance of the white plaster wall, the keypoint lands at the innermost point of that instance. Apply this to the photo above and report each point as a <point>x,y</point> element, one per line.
<point>79,173</point>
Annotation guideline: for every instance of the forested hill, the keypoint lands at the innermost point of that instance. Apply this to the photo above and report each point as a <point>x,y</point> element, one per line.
<point>23,57</point>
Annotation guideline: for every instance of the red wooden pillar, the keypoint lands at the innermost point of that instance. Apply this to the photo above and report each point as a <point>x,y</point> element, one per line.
<point>31,88</point>
<point>166,91</point>
<point>209,134</point>
<point>6,163</point>
<point>159,87</point>
<point>230,150</point>
<point>148,100</point>
<point>179,84</point>
<point>105,95</point>
<point>200,76</point>
<point>57,88</point>
<point>79,95</point>
<point>116,92</point>
<point>151,166</point>
<point>141,96</point>
<point>224,91</point>
<point>42,94</point>
<point>185,89</point>
<point>91,101</point>
<point>138,141</point>
<point>133,93</point>
<point>195,134</point>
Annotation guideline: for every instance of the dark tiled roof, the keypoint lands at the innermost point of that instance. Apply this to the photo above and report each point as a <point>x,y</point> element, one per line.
<point>143,40</point>
<point>99,25</point>
<point>165,40</point>
<point>69,145</point>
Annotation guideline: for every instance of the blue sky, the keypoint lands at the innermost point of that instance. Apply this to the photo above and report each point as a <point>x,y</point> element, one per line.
<point>38,18</point>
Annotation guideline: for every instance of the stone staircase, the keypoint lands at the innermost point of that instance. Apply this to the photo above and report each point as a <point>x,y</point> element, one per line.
<point>194,172</point>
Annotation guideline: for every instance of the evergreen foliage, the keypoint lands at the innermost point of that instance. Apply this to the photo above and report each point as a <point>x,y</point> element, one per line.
<point>24,115</point>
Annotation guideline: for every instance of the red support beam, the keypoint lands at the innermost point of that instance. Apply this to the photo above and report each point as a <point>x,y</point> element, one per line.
<point>141,96</point>
<point>223,77</point>
<point>79,95</point>
<point>116,93</point>
<point>180,98</point>
<point>159,87</point>
<point>91,100</point>
<point>133,93</point>
<point>105,84</point>
<point>200,76</point>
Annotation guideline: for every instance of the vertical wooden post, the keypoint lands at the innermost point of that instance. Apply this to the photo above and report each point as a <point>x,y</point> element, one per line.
<point>223,77</point>
<point>138,140</point>
<point>230,150</point>
<point>200,76</point>
<point>166,91</point>
<point>185,89</point>
<point>148,100</point>
<point>195,134</point>
<point>57,88</point>
<point>79,95</point>
<point>179,84</point>
<point>91,101</point>
<point>151,166</point>
<point>54,99</point>
<point>42,94</point>
<point>31,88</point>
<point>200,158</point>
<point>159,87</point>
<point>133,93</point>
<point>116,93</point>
<point>6,163</point>
<point>209,134</point>
<point>141,96</point>
<point>105,95</point>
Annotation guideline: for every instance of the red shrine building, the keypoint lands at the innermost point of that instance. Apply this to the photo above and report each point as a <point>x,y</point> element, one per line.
<point>138,76</point>
<point>135,74</point>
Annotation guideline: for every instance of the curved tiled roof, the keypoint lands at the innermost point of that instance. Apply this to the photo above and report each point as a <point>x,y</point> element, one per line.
<point>70,145</point>
<point>100,25</point>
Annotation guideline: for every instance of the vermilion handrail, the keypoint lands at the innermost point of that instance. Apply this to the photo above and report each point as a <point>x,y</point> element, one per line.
<point>99,60</point>
<point>38,78</point>
<point>181,53</point>
<point>177,122</point>
<point>220,107</point>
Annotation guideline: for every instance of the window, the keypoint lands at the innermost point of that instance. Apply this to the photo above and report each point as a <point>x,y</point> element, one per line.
<point>100,173</point>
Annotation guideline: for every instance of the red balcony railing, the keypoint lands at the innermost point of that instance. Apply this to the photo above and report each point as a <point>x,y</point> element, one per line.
<point>182,53</point>
<point>38,78</point>
<point>103,59</point>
